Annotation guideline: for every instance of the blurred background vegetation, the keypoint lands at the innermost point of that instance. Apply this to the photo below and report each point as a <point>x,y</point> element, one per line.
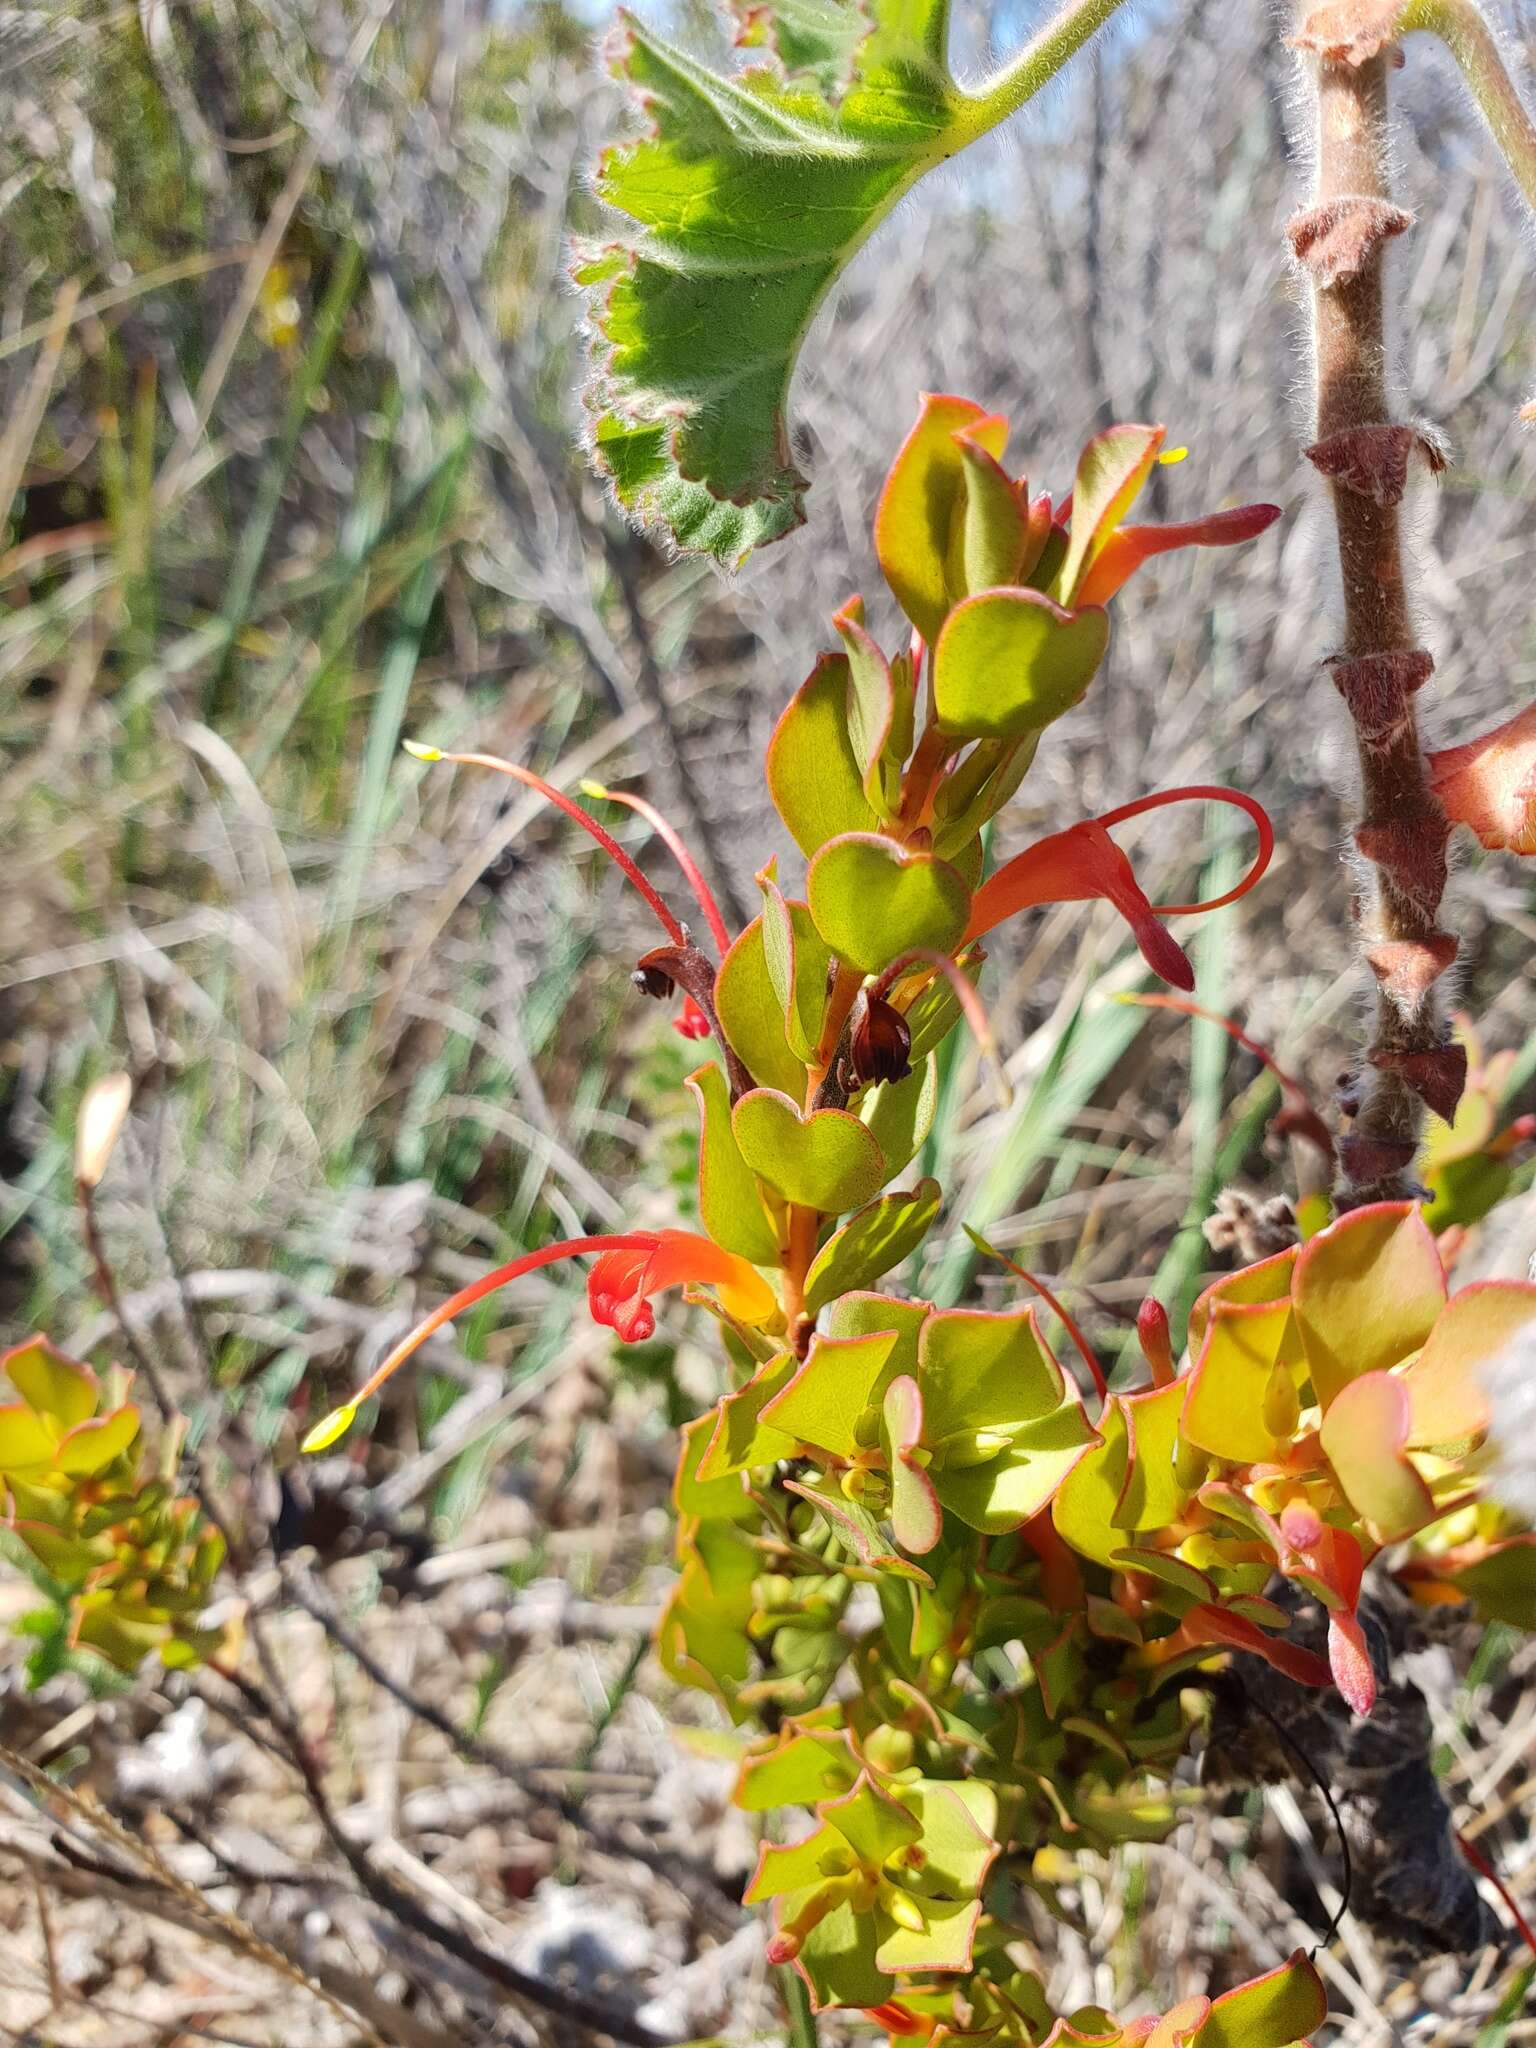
<point>290,468</point>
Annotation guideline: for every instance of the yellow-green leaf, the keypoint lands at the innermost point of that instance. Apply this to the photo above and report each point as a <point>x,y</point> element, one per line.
<point>923,502</point>
<point>814,778</point>
<point>1445,1400</point>
<point>750,1013</point>
<point>729,1201</point>
<point>827,1160</point>
<point>1367,1291</point>
<point>870,1244</point>
<point>52,1384</point>
<point>1008,662</point>
<point>1283,2006</point>
<point>1364,1435</point>
<point>873,900</point>
<point>1224,1409</point>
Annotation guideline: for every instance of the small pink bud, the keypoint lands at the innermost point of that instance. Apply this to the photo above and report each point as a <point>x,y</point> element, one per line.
<point>1156,1340</point>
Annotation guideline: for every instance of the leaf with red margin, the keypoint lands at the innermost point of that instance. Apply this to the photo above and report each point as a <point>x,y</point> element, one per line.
<point>1110,472</point>
<point>837,1386</point>
<point>1224,1409</point>
<point>923,498</point>
<point>1225,1631</point>
<point>1268,1280</point>
<point>1283,2006</point>
<point>1152,1496</point>
<point>1367,1292</point>
<point>1446,1404</point>
<point>814,777</point>
<point>990,543</point>
<point>917,1520</point>
<point>90,1446</point>
<point>1364,1436</point>
<point>880,709</point>
<point>729,1202</point>
<point>858,1531</point>
<point>51,1383</point>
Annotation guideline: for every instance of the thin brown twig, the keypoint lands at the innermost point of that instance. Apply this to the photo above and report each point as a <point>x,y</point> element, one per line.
<point>142,1857</point>
<point>701,1886</point>
<point>596,2016</point>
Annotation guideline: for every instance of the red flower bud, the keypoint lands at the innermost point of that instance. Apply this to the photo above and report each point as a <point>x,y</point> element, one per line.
<point>690,1021</point>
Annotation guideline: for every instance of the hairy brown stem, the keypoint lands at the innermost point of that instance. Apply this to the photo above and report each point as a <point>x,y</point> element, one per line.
<point>1365,458</point>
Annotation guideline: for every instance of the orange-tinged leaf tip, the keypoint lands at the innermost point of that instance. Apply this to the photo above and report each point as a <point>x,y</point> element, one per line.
<point>419,752</point>
<point>330,1428</point>
<point>1489,785</point>
<point>100,1124</point>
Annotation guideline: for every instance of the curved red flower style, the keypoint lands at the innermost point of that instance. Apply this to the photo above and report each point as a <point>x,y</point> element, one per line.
<point>632,1267</point>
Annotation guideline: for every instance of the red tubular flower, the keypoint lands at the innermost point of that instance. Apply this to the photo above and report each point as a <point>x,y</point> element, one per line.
<point>690,1021</point>
<point>623,1280</point>
<point>632,1266</point>
<point>1084,862</point>
<point>1126,549</point>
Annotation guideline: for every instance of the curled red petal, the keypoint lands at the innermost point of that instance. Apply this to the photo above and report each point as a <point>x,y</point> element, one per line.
<point>616,1293</point>
<point>690,1021</point>
<point>685,1258</point>
<point>1123,554</point>
<point>1084,862</point>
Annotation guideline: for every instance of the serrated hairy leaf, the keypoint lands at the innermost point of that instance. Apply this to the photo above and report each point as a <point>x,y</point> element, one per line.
<point>737,209</point>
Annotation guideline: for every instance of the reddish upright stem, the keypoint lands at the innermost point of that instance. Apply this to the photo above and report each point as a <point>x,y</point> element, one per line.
<point>1365,458</point>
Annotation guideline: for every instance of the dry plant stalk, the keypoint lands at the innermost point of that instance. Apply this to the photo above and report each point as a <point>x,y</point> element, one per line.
<point>91,1814</point>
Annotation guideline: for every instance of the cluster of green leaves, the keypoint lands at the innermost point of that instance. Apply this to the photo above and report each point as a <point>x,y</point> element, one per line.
<point>126,1559</point>
<point>960,1596</point>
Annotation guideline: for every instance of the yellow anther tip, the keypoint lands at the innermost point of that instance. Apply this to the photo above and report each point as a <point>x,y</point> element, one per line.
<point>1171,455</point>
<point>418,752</point>
<point>593,789</point>
<point>332,1426</point>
